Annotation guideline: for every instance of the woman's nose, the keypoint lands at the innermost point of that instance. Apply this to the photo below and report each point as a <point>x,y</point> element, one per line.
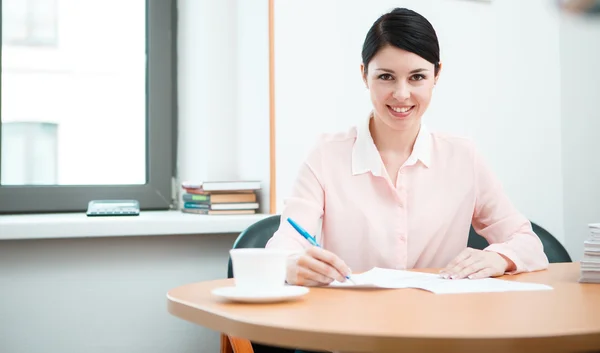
<point>401,91</point>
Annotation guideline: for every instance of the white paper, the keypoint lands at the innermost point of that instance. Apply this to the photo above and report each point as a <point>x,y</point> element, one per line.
<point>395,279</point>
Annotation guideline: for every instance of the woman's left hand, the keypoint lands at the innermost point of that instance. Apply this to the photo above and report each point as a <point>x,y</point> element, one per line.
<point>473,263</point>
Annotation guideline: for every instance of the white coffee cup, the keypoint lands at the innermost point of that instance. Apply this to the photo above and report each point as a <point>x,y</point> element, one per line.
<point>259,269</point>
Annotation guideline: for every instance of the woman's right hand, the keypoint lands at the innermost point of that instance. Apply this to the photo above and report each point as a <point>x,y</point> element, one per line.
<point>316,267</point>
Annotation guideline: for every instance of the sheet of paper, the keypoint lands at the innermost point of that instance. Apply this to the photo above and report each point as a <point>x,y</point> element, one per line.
<point>385,278</point>
<point>484,285</point>
<point>395,279</point>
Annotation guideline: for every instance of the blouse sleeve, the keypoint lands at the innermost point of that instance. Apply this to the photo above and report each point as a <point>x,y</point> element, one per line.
<point>497,220</point>
<point>304,205</point>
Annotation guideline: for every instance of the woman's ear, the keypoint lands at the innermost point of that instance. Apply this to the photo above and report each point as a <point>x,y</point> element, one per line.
<point>363,73</point>
<point>437,77</point>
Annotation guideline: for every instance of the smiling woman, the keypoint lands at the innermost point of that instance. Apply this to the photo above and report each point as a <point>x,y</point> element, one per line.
<point>389,182</point>
<point>401,71</point>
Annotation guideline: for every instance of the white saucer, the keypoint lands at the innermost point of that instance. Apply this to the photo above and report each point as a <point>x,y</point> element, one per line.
<point>245,296</point>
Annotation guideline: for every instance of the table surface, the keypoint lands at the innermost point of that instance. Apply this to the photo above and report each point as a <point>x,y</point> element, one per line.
<point>565,319</point>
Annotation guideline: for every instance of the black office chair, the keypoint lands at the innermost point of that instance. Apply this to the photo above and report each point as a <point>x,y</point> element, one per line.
<point>552,247</point>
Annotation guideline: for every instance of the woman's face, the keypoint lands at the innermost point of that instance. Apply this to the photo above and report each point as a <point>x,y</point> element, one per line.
<point>400,84</point>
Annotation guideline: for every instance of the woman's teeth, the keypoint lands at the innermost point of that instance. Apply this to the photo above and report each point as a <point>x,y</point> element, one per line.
<point>401,109</point>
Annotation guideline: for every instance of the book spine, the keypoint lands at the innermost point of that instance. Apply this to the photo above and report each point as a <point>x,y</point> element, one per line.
<point>196,205</point>
<point>196,198</point>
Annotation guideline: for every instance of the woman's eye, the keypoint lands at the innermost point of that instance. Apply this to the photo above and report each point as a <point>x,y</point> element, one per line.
<point>417,77</point>
<point>385,77</point>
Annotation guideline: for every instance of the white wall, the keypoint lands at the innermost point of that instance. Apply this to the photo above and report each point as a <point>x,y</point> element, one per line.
<point>580,82</point>
<point>500,85</point>
<point>253,149</point>
<point>105,294</point>
<point>224,92</point>
<point>208,94</point>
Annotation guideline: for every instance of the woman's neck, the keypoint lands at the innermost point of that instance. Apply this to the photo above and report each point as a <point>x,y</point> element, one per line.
<point>393,141</point>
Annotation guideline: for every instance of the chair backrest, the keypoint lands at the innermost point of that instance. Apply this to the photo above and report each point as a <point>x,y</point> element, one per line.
<point>552,247</point>
<point>255,236</point>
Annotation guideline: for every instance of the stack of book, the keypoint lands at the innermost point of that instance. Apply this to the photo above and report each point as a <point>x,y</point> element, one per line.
<point>590,264</point>
<point>220,197</point>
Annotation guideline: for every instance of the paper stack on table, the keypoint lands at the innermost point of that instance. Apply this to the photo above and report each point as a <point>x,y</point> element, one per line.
<point>590,265</point>
<point>394,279</point>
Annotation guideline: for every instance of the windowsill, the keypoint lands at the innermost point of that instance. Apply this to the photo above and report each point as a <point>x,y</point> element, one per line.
<point>148,223</point>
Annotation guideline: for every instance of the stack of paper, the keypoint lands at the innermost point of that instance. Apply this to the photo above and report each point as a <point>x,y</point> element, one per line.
<point>590,265</point>
<point>394,279</point>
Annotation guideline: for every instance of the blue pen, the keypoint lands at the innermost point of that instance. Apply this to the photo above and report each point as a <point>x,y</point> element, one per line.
<point>305,234</point>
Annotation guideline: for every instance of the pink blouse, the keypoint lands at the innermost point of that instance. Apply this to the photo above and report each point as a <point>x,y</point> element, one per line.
<point>343,193</point>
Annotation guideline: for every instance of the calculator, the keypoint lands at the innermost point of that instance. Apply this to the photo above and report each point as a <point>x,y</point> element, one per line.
<point>113,208</point>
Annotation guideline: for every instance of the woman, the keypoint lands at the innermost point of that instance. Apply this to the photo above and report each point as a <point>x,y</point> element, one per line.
<point>390,193</point>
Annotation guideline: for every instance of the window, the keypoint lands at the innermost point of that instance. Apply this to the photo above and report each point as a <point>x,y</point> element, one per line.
<point>87,103</point>
<point>29,22</point>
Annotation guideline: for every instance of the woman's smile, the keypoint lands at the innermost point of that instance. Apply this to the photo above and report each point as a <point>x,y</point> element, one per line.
<point>400,111</point>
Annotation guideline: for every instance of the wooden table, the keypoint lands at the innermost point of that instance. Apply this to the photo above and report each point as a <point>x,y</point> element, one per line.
<point>565,319</point>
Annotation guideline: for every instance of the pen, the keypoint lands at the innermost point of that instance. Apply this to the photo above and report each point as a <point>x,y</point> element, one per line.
<point>307,236</point>
<point>304,233</point>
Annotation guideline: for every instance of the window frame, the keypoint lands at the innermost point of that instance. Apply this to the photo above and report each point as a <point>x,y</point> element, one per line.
<point>161,120</point>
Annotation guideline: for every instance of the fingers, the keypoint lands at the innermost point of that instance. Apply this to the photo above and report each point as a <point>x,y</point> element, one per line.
<point>307,277</point>
<point>469,267</point>
<point>321,268</point>
<point>309,270</point>
<point>331,260</point>
<point>464,259</point>
<point>471,263</point>
<point>460,258</point>
<point>483,273</point>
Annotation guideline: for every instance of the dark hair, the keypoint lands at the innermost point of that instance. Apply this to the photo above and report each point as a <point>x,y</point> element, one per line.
<point>404,29</point>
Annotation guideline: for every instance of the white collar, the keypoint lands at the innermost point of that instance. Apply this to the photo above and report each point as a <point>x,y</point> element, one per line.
<point>366,157</point>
